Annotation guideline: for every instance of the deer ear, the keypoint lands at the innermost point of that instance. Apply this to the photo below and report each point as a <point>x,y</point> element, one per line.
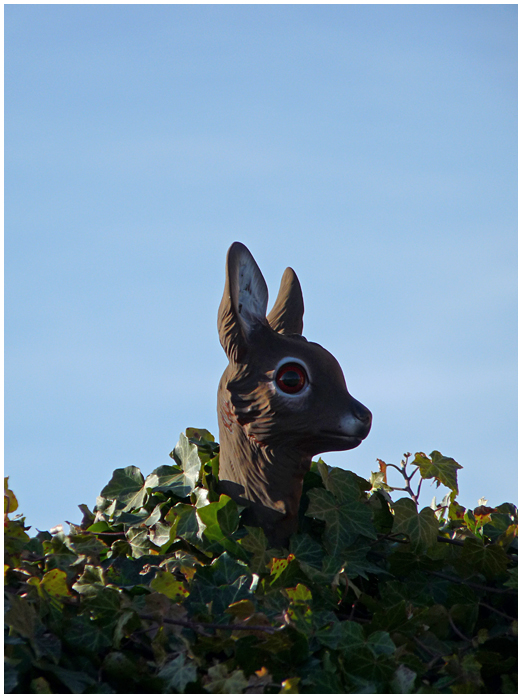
<point>286,316</point>
<point>244,303</point>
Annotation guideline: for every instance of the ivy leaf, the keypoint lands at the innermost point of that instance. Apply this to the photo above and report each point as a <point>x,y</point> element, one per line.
<point>280,565</point>
<point>342,484</point>
<point>126,486</point>
<point>105,605</point>
<point>162,534</point>
<point>344,521</point>
<point>403,680</point>
<point>10,501</point>
<point>186,456</point>
<point>204,441</point>
<point>223,582</point>
<point>341,634</point>
<point>76,682</point>
<point>10,676</point>
<point>331,567</point>
<point>90,582</point>
<point>512,581</point>
<point>21,616</point>
<point>169,479</point>
<point>188,525</point>
<point>422,529</point>
<point>323,682</point>
<point>220,518</point>
<point>307,550</point>
<point>178,673</point>
<point>54,583</point>
<point>221,681</point>
<point>361,662</point>
<point>357,564</point>
<point>221,521</point>
<point>489,560</point>
<point>299,594</point>
<point>381,643</point>
<point>256,543</point>
<point>442,468</point>
<point>168,585</point>
<point>83,635</point>
<point>290,686</point>
<point>380,633</point>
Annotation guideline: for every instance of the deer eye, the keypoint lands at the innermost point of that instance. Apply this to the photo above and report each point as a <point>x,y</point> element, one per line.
<point>291,378</point>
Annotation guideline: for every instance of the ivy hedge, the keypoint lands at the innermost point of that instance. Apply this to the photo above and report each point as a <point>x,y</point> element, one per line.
<point>162,589</point>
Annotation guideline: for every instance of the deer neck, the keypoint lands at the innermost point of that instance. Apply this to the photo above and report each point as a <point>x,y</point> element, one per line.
<point>268,481</point>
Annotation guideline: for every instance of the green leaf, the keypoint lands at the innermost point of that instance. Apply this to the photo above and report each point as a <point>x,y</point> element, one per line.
<point>223,582</point>
<point>307,550</point>
<point>127,622</point>
<point>126,486</point>
<point>221,681</point>
<point>54,583</point>
<point>341,634</point>
<point>162,534</point>
<point>188,524</point>
<point>299,594</point>
<point>221,521</point>
<point>357,563</point>
<point>490,560</point>
<point>361,662</point>
<point>76,682</point>
<point>40,686</point>
<point>106,605</point>
<point>256,543</point>
<point>422,529</point>
<point>10,501</point>
<point>344,521</point>
<point>365,600</point>
<point>343,484</point>
<point>11,677</point>
<point>323,682</point>
<point>204,441</point>
<point>186,456</point>
<point>84,635</point>
<point>91,581</point>
<point>381,643</point>
<point>169,479</point>
<point>442,468</point>
<point>220,518</point>
<point>290,686</point>
<point>403,680</point>
<point>21,616</point>
<point>512,581</point>
<point>168,585</point>
<point>178,673</point>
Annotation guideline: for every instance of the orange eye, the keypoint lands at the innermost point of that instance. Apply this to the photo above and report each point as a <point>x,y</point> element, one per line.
<point>291,378</point>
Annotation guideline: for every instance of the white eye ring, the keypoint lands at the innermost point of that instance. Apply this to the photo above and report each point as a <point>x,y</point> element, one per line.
<point>297,377</point>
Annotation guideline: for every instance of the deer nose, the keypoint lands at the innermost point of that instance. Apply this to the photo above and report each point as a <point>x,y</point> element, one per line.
<point>364,416</point>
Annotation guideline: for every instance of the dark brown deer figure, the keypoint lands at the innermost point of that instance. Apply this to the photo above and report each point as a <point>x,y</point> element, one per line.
<point>281,400</point>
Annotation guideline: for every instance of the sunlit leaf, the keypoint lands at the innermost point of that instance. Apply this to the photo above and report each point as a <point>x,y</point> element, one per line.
<point>442,468</point>
<point>186,456</point>
<point>169,586</point>
<point>126,486</point>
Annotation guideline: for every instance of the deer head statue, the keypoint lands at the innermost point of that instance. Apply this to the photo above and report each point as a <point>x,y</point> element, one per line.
<point>281,400</point>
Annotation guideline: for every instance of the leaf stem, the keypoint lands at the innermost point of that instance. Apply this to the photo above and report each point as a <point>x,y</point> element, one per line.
<point>209,625</point>
<point>493,609</point>
<point>485,588</point>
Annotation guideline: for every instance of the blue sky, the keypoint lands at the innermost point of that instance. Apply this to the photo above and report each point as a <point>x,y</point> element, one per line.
<point>370,147</point>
